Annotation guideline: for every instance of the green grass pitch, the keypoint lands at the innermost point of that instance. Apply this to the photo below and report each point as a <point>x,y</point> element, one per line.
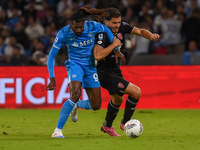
<point>31,129</point>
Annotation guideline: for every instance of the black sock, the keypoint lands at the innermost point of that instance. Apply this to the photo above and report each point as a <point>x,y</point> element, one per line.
<point>111,114</point>
<point>129,108</point>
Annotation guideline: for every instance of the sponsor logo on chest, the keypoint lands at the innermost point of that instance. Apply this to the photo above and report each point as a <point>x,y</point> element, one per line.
<point>83,43</point>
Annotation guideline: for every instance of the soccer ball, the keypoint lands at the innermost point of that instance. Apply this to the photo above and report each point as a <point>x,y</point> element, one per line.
<point>133,128</point>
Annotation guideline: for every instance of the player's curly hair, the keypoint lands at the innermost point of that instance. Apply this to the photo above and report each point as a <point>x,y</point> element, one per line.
<point>82,12</point>
<point>98,14</point>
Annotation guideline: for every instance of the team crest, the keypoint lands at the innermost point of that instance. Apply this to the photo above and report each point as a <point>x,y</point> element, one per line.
<point>90,34</point>
<point>120,85</point>
<point>119,35</point>
<point>74,76</point>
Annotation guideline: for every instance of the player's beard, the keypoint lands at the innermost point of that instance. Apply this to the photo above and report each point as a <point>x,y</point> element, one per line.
<point>115,31</point>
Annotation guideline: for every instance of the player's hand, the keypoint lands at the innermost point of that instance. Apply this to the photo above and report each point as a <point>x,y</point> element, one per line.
<point>117,42</point>
<point>52,84</point>
<point>154,37</point>
<point>118,54</point>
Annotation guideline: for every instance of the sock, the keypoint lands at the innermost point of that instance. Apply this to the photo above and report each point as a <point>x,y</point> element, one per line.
<point>84,104</point>
<point>59,130</point>
<point>111,114</point>
<point>129,108</point>
<point>64,113</point>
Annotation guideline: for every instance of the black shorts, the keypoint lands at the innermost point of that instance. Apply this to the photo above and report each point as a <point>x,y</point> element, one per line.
<point>115,84</point>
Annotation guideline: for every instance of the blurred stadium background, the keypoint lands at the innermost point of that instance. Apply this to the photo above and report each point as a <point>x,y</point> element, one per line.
<point>167,70</point>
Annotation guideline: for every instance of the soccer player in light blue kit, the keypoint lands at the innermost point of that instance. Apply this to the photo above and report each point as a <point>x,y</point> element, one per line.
<point>81,70</point>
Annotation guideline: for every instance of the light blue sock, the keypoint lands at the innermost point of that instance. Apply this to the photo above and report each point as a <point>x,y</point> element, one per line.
<point>84,104</point>
<point>64,113</point>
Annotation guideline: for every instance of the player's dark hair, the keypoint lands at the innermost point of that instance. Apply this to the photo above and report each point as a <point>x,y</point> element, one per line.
<point>82,12</point>
<point>98,14</point>
<point>112,13</point>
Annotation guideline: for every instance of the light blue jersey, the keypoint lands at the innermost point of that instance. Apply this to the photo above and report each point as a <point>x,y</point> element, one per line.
<point>79,47</point>
<point>81,63</point>
<point>80,66</point>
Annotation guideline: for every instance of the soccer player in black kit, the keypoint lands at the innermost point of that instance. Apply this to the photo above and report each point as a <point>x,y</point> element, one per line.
<point>109,73</point>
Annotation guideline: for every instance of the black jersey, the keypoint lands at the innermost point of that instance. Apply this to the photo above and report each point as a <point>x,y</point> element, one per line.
<point>108,64</point>
<point>125,28</point>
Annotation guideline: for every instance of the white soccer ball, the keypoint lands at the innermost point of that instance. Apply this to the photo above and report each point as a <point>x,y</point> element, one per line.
<point>133,128</point>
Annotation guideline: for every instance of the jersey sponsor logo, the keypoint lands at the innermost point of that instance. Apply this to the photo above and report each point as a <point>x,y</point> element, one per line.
<point>99,42</point>
<point>101,37</point>
<point>84,43</point>
<point>120,85</point>
<point>119,35</point>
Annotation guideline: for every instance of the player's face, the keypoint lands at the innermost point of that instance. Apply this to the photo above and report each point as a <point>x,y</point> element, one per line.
<point>77,27</point>
<point>114,24</point>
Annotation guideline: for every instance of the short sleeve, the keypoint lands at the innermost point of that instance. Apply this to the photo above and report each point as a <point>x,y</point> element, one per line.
<point>98,27</point>
<point>127,28</point>
<point>100,39</point>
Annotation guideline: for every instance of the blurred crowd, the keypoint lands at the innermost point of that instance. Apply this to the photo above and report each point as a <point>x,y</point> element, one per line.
<point>28,27</point>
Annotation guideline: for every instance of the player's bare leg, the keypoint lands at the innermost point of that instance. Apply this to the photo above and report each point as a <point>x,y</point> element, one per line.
<point>94,95</point>
<point>93,103</point>
<point>75,93</point>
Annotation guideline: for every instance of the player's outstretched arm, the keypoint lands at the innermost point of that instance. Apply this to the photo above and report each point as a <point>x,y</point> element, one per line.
<point>145,33</point>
